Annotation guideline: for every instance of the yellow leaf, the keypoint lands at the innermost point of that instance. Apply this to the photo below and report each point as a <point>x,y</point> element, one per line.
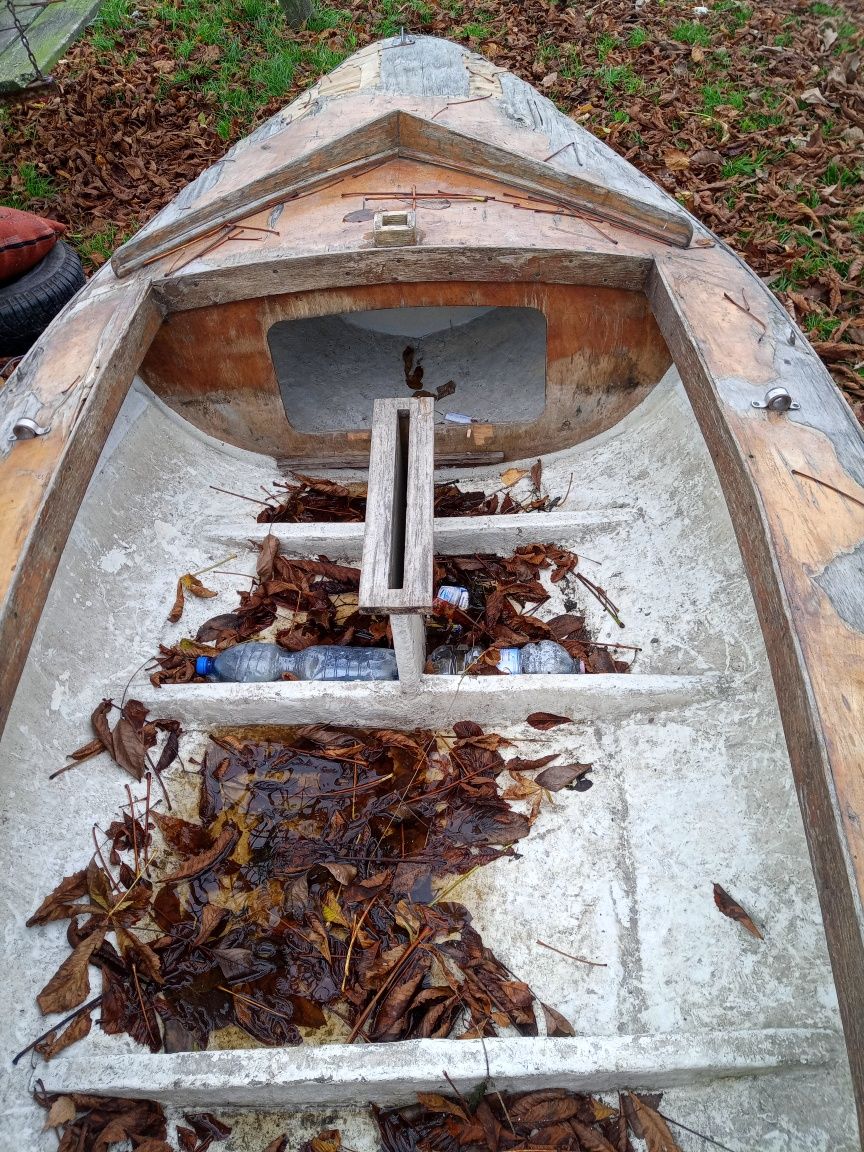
<point>513,476</point>
<point>62,1112</point>
<point>696,54</point>
<point>332,912</point>
<point>188,583</point>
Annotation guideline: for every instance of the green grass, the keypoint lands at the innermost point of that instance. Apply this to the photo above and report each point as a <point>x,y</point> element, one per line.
<point>820,9</point>
<point>620,78</point>
<point>398,14</point>
<point>101,244</point>
<point>745,165</point>
<point>845,177</point>
<point>691,32</point>
<point>34,186</point>
<point>475,30</point>
<point>716,95</point>
<point>735,14</point>
<point>258,60</point>
<point>606,44</point>
<point>114,14</point>
<point>572,67</point>
<point>637,37</point>
<point>856,223</point>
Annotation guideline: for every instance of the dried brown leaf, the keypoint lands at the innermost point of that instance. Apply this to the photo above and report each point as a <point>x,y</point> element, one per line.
<point>62,1111</point>
<point>57,904</point>
<point>649,1125</point>
<point>70,984</point>
<point>731,908</point>
<point>560,776</point>
<point>53,1044</point>
<point>543,721</point>
<point>203,861</point>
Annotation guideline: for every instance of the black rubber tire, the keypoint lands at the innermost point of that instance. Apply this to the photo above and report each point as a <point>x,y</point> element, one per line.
<point>30,302</point>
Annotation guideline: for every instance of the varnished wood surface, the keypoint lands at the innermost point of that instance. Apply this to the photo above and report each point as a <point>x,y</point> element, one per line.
<point>76,383</point>
<point>604,353</point>
<point>791,531</point>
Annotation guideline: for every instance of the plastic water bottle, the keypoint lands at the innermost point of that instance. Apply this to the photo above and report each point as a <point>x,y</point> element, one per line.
<point>545,658</point>
<point>257,663</point>
<point>452,594</point>
<point>453,659</point>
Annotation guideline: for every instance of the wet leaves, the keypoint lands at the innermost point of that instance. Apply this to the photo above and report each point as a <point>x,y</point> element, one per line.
<point>70,984</point>
<point>551,1119</point>
<point>95,1123</point>
<point>315,602</point>
<point>731,908</point>
<point>306,889</point>
<point>504,594</point>
<point>131,739</point>
<point>313,500</point>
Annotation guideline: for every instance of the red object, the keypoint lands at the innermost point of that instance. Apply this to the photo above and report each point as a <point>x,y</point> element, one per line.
<point>24,240</point>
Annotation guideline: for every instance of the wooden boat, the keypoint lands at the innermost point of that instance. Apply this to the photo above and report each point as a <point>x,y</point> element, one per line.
<point>703,457</point>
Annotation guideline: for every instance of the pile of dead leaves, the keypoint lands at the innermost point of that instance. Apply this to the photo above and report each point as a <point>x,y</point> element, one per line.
<point>503,596</point>
<point>316,601</point>
<point>553,1119</point>
<point>95,1123</point>
<point>304,895</point>
<point>312,499</point>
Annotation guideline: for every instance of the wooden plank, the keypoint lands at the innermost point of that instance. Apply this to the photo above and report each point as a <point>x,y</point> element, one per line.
<point>409,643</point>
<point>76,376</point>
<point>422,139</point>
<point>354,152</point>
<point>791,533</point>
<point>262,274</point>
<point>396,568</point>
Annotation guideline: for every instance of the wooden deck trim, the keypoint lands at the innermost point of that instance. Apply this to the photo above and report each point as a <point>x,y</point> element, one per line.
<point>266,273</point>
<point>46,477</point>
<point>794,647</point>
<point>400,134</point>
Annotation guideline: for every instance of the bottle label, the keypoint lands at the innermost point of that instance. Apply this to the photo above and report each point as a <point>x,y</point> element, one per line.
<point>453,595</point>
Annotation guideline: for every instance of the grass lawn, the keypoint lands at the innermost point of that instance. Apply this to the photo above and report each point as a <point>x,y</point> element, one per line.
<point>752,116</point>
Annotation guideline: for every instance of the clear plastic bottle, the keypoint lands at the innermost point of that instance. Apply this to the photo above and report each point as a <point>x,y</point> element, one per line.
<point>257,663</point>
<point>453,659</point>
<point>545,658</point>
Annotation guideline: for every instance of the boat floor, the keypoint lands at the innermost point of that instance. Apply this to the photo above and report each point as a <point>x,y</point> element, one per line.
<point>692,786</point>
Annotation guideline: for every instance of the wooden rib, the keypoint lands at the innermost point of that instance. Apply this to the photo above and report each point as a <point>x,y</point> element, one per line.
<point>396,568</point>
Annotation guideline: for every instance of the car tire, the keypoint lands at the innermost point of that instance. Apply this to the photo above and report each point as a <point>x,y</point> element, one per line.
<point>29,302</point>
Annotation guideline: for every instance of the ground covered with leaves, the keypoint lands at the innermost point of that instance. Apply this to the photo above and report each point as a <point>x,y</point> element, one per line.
<point>752,115</point>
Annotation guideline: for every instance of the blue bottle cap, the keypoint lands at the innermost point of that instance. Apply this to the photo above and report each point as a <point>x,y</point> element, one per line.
<point>204,665</point>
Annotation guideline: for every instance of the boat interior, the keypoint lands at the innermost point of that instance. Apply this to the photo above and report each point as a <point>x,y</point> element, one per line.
<point>541,305</point>
<point>692,784</point>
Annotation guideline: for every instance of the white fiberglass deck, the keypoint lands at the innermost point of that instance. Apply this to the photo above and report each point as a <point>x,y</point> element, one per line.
<point>691,786</point>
